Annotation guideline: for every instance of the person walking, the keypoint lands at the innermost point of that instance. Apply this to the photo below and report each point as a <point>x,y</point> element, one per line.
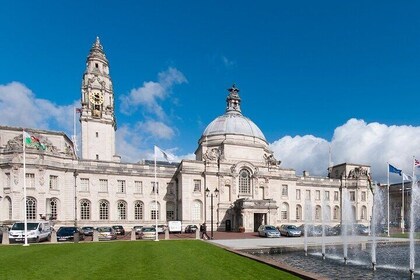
<point>203,230</point>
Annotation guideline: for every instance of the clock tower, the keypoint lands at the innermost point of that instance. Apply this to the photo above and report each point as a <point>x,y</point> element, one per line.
<point>97,117</point>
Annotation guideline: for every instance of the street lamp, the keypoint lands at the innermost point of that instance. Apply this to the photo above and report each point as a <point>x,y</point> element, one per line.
<point>215,193</point>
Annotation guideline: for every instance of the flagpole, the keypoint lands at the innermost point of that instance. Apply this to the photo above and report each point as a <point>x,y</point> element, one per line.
<point>25,221</point>
<point>388,198</point>
<point>156,203</point>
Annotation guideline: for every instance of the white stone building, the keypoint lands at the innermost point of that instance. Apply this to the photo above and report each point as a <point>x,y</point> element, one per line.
<point>233,162</point>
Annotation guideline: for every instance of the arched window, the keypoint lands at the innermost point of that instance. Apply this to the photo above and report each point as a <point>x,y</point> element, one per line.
<point>85,209</point>
<point>197,207</point>
<point>318,211</point>
<point>122,210</point>
<point>336,214</point>
<point>53,208</point>
<point>298,212</point>
<point>138,210</point>
<point>244,182</point>
<point>9,207</point>
<point>154,210</point>
<point>363,213</point>
<point>170,211</point>
<point>30,208</point>
<point>284,211</point>
<point>103,210</point>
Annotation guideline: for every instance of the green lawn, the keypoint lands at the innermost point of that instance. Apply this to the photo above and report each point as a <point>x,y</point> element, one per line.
<point>183,259</point>
<point>406,235</point>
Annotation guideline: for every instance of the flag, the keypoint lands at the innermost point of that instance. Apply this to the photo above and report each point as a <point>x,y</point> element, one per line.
<point>406,177</point>
<point>416,163</point>
<point>167,156</point>
<point>32,141</point>
<point>393,169</point>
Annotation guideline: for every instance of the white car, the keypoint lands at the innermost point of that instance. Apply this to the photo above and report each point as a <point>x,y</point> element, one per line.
<point>36,231</point>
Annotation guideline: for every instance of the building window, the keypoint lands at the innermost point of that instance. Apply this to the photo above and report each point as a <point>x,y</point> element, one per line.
<point>308,195</point>
<point>121,186</point>
<point>30,180</point>
<point>53,208</point>
<point>363,213</point>
<point>9,204</point>
<point>8,180</point>
<point>170,211</point>
<point>97,134</point>
<point>336,214</point>
<point>317,212</point>
<point>284,190</point>
<point>97,157</point>
<point>122,210</point>
<point>318,195</point>
<point>327,215</point>
<point>298,212</point>
<point>363,196</point>
<point>154,210</point>
<point>327,195</point>
<point>53,182</point>
<point>155,190</point>
<point>138,210</point>
<point>335,195</point>
<point>170,188</point>
<point>197,185</point>
<point>297,194</point>
<point>30,208</point>
<point>196,210</point>
<point>352,196</point>
<point>284,213</point>
<point>244,182</point>
<point>138,187</point>
<point>85,209</point>
<point>103,210</point>
<point>103,185</point>
<point>84,184</point>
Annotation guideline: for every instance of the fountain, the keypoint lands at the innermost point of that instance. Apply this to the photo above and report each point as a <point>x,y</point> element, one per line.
<point>415,196</point>
<point>308,219</point>
<point>326,213</point>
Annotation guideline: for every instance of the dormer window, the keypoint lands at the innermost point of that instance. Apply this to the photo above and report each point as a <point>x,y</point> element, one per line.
<point>96,65</point>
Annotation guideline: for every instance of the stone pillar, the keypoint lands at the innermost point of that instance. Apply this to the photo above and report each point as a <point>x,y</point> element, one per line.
<point>5,238</point>
<point>53,236</point>
<point>76,237</point>
<point>133,234</point>
<point>197,234</point>
<point>166,234</point>
<point>95,235</point>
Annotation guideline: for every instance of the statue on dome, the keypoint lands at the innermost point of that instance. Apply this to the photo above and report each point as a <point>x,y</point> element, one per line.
<point>270,160</point>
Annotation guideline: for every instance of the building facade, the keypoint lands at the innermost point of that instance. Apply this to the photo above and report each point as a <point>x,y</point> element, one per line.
<point>235,182</point>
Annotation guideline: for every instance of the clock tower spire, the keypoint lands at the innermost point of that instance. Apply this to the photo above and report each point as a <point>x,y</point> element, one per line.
<point>97,118</point>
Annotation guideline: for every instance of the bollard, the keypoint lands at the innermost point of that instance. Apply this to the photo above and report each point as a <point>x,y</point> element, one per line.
<point>76,237</point>
<point>95,237</point>
<point>5,238</point>
<point>197,234</point>
<point>166,234</point>
<point>133,234</point>
<point>53,236</point>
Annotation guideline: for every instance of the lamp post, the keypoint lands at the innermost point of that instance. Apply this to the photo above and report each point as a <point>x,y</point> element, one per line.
<point>214,193</point>
<point>75,174</point>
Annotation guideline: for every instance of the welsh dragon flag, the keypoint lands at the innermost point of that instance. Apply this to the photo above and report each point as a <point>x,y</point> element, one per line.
<point>32,141</point>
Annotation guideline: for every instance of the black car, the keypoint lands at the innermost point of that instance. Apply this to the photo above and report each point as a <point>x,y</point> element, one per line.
<point>119,230</point>
<point>87,231</point>
<point>67,233</point>
<point>191,229</point>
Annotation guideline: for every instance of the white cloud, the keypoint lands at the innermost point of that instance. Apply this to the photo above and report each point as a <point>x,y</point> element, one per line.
<point>152,93</point>
<point>356,141</point>
<point>227,62</point>
<point>20,107</point>
<point>156,129</point>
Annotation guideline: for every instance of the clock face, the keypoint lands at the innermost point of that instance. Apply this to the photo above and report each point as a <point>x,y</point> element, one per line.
<point>96,97</point>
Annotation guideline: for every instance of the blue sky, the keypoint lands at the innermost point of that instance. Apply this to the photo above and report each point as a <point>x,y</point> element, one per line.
<point>312,74</point>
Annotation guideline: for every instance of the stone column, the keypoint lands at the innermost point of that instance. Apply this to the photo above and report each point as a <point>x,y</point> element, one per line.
<point>133,234</point>
<point>53,236</point>
<point>166,234</point>
<point>95,235</point>
<point>5,238</point>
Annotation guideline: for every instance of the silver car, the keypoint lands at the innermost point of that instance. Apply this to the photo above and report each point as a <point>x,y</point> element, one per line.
<point>268,231</point>
<point>290,230</point>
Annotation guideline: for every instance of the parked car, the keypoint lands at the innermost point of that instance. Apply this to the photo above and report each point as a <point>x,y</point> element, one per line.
<point>268,231</point>
<point>36,231</point>
<point>290,230</point>
<point>311,230</point>
<point>67,233</point>
<point>119,230</point>
<point>148,233</point>
<point>160,229</point>
<point>137,229</point>
<point>106,233</point>
<point>361,229</point>
<point>191,229</point>
<point>87,231</point>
